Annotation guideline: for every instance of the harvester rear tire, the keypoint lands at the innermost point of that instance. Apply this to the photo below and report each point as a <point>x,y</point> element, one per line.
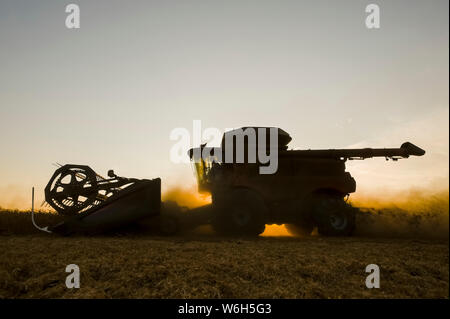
<point>333,215</point>
<point>240,212</point>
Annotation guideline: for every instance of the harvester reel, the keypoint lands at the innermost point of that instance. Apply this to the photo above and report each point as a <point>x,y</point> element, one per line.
<point>72,189</point>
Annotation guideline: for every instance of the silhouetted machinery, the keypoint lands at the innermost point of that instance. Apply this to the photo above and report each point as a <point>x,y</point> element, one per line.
<point>309,189</point>
<point>95,203</point>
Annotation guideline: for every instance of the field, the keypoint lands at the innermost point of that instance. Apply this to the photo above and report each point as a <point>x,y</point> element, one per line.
<point>201,265</point>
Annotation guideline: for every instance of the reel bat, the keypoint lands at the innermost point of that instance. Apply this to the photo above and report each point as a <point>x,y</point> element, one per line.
<point>76,188</point>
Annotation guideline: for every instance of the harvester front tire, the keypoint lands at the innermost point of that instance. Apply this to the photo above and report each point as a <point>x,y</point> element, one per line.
<point>240,212</point>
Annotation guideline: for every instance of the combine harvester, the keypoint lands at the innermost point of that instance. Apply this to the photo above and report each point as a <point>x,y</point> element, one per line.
<point>309,189</point>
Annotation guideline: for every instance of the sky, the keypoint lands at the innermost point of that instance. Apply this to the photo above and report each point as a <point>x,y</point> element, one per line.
<point>109,94</point>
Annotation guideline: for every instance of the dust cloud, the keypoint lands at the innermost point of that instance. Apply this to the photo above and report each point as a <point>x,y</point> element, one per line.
<point>414,213</point>
<point>276,231</point>
<point>187,197</point>
<point>191,198</point>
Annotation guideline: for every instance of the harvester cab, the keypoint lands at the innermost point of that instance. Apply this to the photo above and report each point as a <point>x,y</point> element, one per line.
<point>202,166</point>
